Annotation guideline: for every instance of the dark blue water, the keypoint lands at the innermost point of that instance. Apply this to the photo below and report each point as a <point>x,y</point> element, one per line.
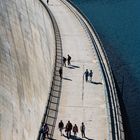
<point>118,24</point>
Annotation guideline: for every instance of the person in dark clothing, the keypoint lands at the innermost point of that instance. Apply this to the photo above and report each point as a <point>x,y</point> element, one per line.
<point>86,75</point>
<point>82,128</point>
<point>68,129</point>
<point>45,131</point>
<point>90,75</point>
<point>75,130</point>
<point>61,126</point>
<point>47,1</point>
<point>69,59</point>
<point>64,61</point>
<point>42,130</point>
<point>60,72</point>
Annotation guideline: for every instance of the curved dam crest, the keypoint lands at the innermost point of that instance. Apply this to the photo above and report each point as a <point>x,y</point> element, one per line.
<point>27,55</point>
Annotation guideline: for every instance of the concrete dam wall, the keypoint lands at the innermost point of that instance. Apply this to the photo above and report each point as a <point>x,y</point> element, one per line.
<point>27,56</point>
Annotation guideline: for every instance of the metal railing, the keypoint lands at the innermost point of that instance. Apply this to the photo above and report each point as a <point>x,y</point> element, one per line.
<point>51,111</point>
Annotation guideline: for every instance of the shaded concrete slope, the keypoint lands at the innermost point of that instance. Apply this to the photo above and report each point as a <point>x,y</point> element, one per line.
<point>27,55</point>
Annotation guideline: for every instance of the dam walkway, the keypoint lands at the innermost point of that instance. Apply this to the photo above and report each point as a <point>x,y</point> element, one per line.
<point>80,101</point>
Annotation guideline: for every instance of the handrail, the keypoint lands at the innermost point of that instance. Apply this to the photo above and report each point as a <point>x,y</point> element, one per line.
<point>51,111</point>
<point>115,112</point>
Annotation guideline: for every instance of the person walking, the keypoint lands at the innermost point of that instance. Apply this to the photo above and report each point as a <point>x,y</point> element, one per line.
<point>82,128</point>
<point>86,75</point>
<point>64,61</point>
<point>60,72</point>
<point>90,75</point>
<point>61,126</point>
<point>45,131</point>
<point>68,129</point>
<point>69,59</point>
<point>75,130</point>
<point>42,131</point>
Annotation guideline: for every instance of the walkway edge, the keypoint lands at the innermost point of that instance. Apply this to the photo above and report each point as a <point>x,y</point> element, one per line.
<point>51,111</point>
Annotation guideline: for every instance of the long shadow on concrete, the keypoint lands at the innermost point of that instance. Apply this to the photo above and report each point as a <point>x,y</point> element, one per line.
<point>67,79</point>
<point>73,66</point>
<point>77,138</point>
<point>89,138</point>
<point>73,137</point>
<point>96,83</point>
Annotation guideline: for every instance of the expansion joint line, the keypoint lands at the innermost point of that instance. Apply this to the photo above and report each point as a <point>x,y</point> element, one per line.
<point>51,111</point>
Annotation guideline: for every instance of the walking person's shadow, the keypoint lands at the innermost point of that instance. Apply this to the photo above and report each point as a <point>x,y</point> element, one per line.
<point>67,79</point>
<point>96,83</point>
<point>73,66</point>
<point>78,138</point>
<point>75,138</point>
<point>89,138</point>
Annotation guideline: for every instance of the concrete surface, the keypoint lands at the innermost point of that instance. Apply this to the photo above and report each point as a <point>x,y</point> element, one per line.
<point>27,54</point>
<point>80,101</point>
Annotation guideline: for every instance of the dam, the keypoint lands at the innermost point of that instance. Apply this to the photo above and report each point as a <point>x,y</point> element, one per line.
<point>34,37</point>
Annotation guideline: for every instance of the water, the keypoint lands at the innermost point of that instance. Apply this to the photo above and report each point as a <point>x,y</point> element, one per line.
<point>118,25</point>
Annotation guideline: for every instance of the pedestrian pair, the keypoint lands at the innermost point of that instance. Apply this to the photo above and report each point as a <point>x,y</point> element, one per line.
<point>88,74</point>
<point>68,59</point>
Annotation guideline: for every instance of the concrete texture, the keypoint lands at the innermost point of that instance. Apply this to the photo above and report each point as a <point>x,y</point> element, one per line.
<point>80,101</point>
<point>27,54</point>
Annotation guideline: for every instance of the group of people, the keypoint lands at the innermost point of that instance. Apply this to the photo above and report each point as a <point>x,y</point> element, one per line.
<point>88,74</point>
<point>64,64</point>
<point>69,127</point>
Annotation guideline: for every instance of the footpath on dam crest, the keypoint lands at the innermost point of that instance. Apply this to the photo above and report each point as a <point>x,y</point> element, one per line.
<point>80,101</point>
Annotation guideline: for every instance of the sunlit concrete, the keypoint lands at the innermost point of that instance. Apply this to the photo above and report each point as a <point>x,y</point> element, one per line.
<point>27,55</point>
